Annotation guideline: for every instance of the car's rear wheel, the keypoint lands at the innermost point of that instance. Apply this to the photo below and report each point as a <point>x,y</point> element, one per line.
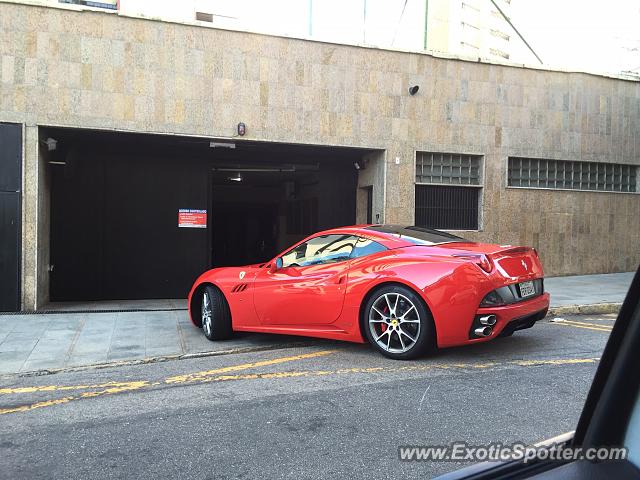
<point>215,316</point>
<point>398,323</point>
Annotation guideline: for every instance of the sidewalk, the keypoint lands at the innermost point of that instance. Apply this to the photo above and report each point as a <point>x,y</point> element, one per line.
<point>586,293</point>
<point>51,341</point>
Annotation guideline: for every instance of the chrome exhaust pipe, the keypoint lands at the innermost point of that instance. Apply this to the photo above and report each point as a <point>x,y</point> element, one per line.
<point>489,320</point>
<point>483,331</point>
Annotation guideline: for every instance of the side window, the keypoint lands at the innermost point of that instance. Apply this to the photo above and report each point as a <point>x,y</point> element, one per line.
<point>632,438</point>
<point>320,250</point>
<point>366,247</point>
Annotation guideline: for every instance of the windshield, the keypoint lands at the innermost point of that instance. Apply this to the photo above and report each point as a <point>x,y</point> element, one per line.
<point>417,235</point>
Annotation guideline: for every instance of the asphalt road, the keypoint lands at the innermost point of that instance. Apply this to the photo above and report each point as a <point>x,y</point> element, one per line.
<point>329,410</point>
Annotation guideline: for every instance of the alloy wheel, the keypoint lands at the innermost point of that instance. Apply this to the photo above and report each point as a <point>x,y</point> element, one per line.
<point>394,322</point>
<point>206,314</point>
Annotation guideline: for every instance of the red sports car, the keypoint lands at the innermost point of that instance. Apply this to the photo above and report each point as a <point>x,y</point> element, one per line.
<point>403,289</point>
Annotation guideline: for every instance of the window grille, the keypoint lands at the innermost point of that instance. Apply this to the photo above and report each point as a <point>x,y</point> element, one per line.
<point>448,168</point>
<point>572,175</point>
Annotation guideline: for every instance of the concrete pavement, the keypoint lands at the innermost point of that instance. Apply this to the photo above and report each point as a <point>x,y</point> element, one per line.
<point>54,341</point>
<point>74,335</point>
<point>580,290</point>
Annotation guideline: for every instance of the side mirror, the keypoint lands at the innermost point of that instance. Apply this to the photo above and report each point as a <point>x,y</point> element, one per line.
<point>276,265</point>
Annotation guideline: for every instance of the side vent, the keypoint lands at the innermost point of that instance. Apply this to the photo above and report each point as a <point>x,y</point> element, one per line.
<point>241,287</point>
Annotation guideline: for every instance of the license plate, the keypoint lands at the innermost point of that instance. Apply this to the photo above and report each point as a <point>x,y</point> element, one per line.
<point>527,289</point>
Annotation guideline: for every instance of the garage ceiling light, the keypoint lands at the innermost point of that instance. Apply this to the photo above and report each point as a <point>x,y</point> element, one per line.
<point>222,145</point>
<point>256,169</point>
<point>269,168</point>
<point>236,178</point>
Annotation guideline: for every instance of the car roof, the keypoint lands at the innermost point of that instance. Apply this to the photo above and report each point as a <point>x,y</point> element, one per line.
<point>395,236</point>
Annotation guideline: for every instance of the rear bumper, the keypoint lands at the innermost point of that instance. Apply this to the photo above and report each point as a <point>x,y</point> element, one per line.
<point>516,316</point>
<point>521,323</point>
<point>508,318</point>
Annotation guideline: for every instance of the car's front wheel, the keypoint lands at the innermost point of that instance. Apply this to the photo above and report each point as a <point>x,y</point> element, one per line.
<point>215,316</point>
<point>398,323</point>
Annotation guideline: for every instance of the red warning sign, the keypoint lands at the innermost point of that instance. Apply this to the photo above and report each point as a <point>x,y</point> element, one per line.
<point>188,218</point>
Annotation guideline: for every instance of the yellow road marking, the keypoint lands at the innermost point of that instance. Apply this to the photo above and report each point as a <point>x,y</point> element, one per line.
<point>562,361</point>
<point>58,388</point>
<point>33,406</point>
<point>112,390</point>
<point>48,403</point>
<point>580,322</point>
<point>190,377</point>
<point>169,380</point>
<point>588,326</point>
<point>318,373</point>
<point>120,387</point>
<point>585,327</point>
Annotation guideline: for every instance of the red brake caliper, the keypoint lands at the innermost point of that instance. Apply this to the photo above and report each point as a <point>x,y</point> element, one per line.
<point>383,326</point>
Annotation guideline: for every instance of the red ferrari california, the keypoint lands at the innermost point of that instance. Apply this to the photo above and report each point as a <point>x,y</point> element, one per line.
<point>403,289</point>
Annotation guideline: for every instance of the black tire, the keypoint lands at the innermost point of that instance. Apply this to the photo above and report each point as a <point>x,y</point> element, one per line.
<point>412,325</point>
<point>218,324</point>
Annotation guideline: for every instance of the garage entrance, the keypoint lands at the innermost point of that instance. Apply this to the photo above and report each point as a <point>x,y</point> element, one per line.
<point>115,228</point>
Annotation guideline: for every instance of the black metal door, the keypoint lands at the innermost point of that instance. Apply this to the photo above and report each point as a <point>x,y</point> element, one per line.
<point>114,226</point>
<point>10,215</point>
<point>369,204</point>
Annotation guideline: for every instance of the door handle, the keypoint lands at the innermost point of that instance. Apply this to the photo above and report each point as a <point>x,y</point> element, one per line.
<point>341,279</point>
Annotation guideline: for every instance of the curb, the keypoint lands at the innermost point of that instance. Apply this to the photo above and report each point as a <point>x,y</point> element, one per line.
<point>592,309</point>
<point>159,359</point>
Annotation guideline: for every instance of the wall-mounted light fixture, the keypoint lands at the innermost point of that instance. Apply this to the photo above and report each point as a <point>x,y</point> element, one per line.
<point>236,178</point>
<point>51,144</point>
<point>360,164</point>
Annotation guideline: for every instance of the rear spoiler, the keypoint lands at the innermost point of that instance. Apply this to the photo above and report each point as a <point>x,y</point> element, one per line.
<point>486,260</point>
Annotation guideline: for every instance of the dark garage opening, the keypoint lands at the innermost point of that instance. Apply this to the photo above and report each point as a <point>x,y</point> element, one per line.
<point>115,199</point>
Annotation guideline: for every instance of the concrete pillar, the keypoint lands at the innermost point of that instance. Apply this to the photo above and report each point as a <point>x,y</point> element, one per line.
<point>35,223</point>
<point>400,177</point>
<point>44,225</point>
<point>372,175</point>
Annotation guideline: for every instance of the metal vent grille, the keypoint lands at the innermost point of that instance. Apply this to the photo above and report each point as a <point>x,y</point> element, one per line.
<point>241,287</point>
<point>448,168</point>
<point>572,175</point>
<point>204,17</point>
<point>448,208</point>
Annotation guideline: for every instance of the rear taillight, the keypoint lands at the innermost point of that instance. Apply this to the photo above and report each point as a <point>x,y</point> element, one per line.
<point>483,261</point>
